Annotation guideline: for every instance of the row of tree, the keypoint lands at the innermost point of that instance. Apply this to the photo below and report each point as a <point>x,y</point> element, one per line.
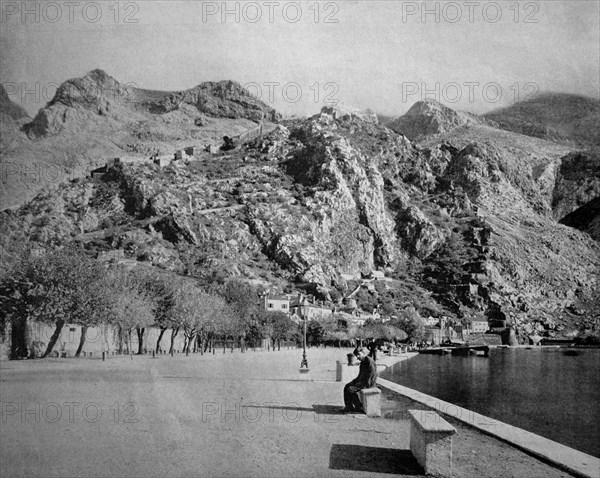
<point>67,286</point>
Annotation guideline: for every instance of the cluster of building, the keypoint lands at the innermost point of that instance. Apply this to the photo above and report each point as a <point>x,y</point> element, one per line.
<point>301,307</point>
<point>438,330</point>
<point>183,155</point>
<point>305,307</point>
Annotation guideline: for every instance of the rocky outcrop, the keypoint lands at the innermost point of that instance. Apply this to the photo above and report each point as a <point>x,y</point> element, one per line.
<point>586,218</point>
<point>98,98</point>
<point>577,183</point>
<point>418,234</point>
<point>426,118</point>
<point>79,101</point>
<point>225,99</point>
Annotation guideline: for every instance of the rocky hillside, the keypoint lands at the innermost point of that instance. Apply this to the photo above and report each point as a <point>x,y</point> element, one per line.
<point>96,117</point>
<point>461,227</point>
<point>556,117</point>
<point>556,177</point>
<point>427,118</point>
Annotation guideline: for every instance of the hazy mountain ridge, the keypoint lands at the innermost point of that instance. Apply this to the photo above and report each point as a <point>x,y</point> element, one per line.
<point>556,117</point>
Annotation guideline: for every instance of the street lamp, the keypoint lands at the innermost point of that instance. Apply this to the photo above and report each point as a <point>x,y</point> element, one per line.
<point>304,362</point>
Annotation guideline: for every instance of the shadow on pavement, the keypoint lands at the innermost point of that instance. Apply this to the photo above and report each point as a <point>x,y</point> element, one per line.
<point>329,409</point>
<point>373,459</point>
<point>277,407</point>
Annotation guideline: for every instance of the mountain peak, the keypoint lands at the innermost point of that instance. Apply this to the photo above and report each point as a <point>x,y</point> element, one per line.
<point>429,117</point>
<point>98,97</point>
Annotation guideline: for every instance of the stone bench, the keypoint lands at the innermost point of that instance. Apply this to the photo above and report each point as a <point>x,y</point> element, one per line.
<point>371,401</point>
<point>431,442</point>
<point>61,353</point>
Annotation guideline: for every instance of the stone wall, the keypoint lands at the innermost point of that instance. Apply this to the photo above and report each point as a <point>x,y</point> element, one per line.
<point>98,339</point>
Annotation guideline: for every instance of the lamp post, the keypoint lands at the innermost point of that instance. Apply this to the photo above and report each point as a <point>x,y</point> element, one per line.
<point>304,362</point>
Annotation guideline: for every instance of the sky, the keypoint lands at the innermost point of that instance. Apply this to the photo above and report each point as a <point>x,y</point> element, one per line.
<point>296,56</point>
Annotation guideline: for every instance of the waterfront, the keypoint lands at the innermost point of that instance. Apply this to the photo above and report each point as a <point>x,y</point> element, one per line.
<point>542,390</point>
<point>229,415</point>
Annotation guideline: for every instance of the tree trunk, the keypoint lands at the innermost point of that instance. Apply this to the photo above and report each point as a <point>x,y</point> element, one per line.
<point>140,334</point>
<point>190,340</point>
<point>120,339</point>
<point>54,338</point>
<point>160,336</point>
<point>173,335</point>
<point>19,339</point>
<point>81,340</point>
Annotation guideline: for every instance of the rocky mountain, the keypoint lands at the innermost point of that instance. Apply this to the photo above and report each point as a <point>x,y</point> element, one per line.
<point>97,97</point>
<point>556,176</point>
<point>96,117</point>
<point>9,107</point>
<point>558,117</point>
<point>428,117</point>
<point>463,224</point>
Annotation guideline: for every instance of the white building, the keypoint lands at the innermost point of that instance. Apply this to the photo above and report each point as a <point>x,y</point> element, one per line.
<point>479,326</point>
<point>277,303</point>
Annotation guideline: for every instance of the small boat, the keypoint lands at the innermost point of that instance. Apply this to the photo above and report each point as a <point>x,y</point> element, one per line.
<point>472,350</point>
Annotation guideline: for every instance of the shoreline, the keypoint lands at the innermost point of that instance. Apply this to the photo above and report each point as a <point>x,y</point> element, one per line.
<point>562,456</point>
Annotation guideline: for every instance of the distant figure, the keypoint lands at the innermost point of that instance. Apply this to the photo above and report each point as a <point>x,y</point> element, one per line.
<point>373,350</point>
<point>367,377</point>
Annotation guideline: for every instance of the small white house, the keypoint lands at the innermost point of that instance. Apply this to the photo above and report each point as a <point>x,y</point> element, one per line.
<point>277,303</point>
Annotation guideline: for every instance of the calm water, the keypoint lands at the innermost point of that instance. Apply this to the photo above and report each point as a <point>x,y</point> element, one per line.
<point>541,390</point>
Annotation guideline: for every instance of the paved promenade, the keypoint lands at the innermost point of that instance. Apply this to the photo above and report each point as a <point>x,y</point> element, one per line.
<point>229,414</point>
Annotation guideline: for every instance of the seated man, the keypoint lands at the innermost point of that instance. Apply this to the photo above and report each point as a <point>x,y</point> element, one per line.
<point>367,377</point>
